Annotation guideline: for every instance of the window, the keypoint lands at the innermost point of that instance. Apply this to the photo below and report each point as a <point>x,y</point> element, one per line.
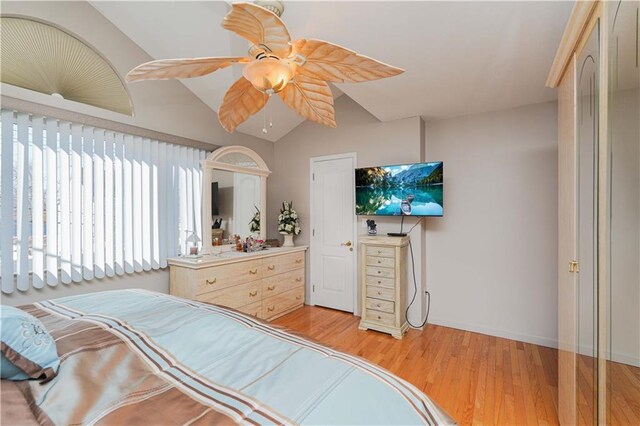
<point>80,202</point>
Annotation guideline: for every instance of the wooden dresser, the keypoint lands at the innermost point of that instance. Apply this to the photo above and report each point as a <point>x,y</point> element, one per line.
<point>266,284</point>
<point>383,281</point>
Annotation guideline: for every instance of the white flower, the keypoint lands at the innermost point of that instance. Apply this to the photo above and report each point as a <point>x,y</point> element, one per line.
<point>294,215</point>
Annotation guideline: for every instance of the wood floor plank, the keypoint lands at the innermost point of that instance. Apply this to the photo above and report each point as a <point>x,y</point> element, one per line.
<point>477,379</point>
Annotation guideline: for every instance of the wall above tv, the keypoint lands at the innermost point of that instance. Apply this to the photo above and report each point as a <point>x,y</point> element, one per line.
<point>400,190</point>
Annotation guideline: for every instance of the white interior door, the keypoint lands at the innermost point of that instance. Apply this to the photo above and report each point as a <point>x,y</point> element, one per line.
<point>333,232</point>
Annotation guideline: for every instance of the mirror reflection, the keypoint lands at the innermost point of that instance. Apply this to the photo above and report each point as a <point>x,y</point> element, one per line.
<point>235,201</point>
<point>623,292</point>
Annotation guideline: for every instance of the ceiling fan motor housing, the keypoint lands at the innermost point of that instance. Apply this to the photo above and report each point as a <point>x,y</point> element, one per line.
<point>275,6</point>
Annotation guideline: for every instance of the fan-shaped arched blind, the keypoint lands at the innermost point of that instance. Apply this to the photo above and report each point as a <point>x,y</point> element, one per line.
<point>46,59</point>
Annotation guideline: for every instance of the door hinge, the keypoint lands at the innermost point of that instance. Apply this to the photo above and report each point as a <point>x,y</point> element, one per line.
<point>574,266</point>
<point>313,232</point>
<point>313,176</point>
<point>313,288</point>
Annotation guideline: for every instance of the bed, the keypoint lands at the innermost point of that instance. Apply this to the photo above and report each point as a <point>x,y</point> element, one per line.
<point>139,357</point>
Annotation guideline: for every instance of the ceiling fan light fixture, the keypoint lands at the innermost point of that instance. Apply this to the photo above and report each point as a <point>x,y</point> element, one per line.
<point>269,75</point>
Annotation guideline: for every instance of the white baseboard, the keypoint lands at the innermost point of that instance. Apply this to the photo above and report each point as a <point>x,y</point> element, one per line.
<point>536,340</point>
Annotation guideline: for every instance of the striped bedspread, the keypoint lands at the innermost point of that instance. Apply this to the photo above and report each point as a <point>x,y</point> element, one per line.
<point>138,357</point>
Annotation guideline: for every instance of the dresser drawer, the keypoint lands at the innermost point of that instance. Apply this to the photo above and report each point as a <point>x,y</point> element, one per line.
<point>381,251</point>
<point>219,277</point>
<point>381,318</point>
<point>234,297</point>
<point>277,284</point>
<point>254,309</point>
<point>382,282</point>
<point>376,271</point>
<point>380,305</point>
<point>283,263</point>
<point>282,302</point>
<point>381,293</point>
<point>385,262</point>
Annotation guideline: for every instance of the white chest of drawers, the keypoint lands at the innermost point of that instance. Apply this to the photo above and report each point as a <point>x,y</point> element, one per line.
<point>383,280</point>
<point>267,284</point>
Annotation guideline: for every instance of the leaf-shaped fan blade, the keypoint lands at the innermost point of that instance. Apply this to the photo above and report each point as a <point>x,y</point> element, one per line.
<point>164,69</point>
<point>260,26</point>
<point>329,62</point>
<point>241,101</point>
<point>311,99</point>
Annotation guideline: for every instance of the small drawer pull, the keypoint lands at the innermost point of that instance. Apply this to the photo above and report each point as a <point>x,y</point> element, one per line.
<point>271,268</point>
<point>298,260</point>
<point>379,293</point>
<point>298,279</point>
<point>379,262</point>
<point>271,287</point>
<point>379,282</point>
<point>298,297</point>
<point>255,314</point>
<point>253,293</point>
<point>271,308</point>
<point>253,271</point>
<point>379,317</point>
<point>212,281</point>
<point>379,271</point>
<point>378,305</point>
<point>379,251</point>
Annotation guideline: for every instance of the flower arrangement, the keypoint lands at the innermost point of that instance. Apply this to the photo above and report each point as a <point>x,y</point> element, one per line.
<point>254,225</point>
<point>288,220</point>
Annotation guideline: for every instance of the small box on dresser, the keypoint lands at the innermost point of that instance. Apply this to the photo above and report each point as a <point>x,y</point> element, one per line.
<point>383,281</point>
<point>265,284</point>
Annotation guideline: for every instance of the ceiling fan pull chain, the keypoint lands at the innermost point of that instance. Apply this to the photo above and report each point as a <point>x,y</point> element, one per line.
<point>264,121</point>
<point>270,113</point>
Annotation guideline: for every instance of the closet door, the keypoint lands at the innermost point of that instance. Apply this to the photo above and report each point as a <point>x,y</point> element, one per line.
<point>567,282</point>
<point>622,358</point>
<point>586,272</point>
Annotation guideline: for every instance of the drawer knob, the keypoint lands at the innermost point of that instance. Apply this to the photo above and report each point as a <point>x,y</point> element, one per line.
<point>271,268</point>
<point>253,293</point>
<point>253,271</point>
<point>378,305</point>
<point>379,293</point>
<point>298,260</point>
<point>255,314</point>
<point>379,262</point>
<point>298,279</point>
<point>271,308</point>
<point>379,271</point>
<point>212,281</point>
<point>271,287</point>
<point>379,317</point>
<point>379,282</point>
<point>298,297</point>
<point>379,251</point>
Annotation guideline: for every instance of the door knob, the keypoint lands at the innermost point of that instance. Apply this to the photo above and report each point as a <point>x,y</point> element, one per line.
<point>348,244</point>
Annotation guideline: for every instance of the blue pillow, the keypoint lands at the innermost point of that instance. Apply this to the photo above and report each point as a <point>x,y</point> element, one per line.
<point>28,350</point>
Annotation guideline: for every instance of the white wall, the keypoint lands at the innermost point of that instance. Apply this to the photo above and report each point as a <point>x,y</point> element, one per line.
<point>164,106</point>
<point>491,260</point>
<point>358,131</point>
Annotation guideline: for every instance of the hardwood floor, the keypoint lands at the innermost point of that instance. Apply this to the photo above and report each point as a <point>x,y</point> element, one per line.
<point>477,379</point>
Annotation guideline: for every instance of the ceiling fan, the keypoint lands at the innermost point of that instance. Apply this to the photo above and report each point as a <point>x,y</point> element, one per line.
<point>298,72</point>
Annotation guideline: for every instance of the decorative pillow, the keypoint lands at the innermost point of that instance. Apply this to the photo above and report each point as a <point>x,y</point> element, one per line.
<point>28,351</point>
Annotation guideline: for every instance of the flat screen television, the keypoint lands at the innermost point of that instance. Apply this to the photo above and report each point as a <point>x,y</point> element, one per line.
<point>215,209</point>
<point>403,189</point>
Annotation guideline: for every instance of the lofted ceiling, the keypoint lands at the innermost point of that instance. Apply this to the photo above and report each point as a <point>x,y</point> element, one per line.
<point>460,57</point>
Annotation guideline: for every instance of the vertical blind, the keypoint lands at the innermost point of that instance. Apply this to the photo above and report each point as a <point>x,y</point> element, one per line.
<point>80,202</point>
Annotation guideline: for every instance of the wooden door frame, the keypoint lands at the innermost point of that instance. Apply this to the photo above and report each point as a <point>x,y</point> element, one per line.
<point>353,156</point>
